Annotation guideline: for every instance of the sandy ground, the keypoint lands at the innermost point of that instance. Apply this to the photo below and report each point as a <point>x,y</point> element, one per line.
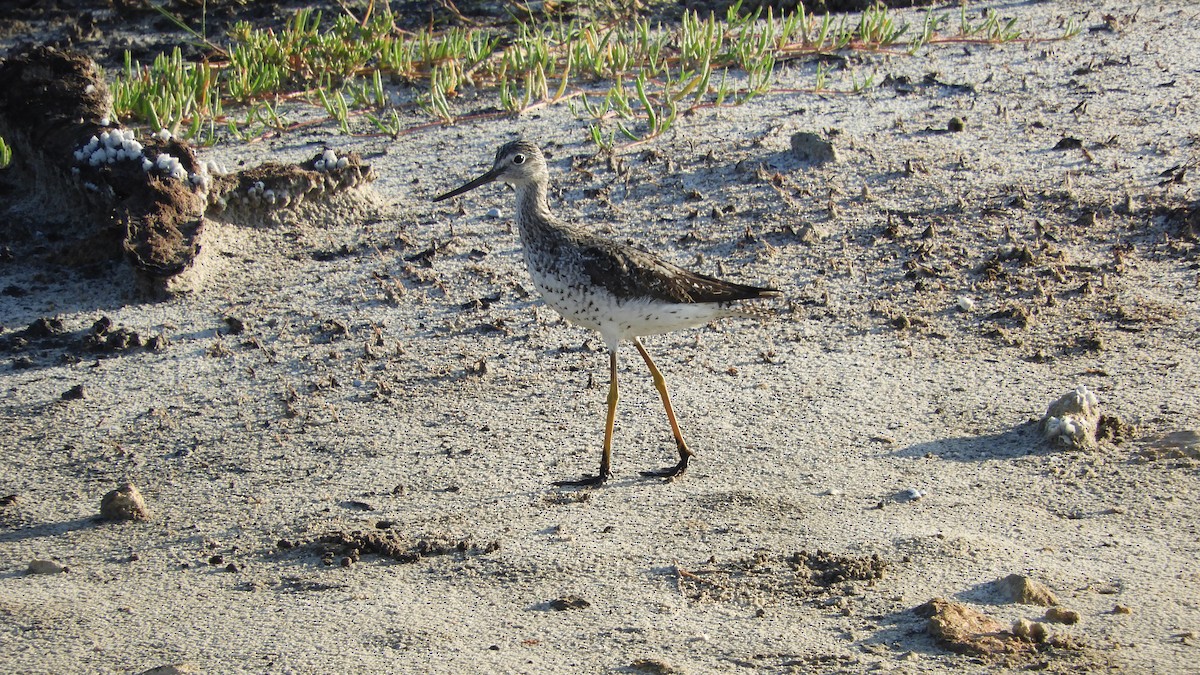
<point>331,377</point>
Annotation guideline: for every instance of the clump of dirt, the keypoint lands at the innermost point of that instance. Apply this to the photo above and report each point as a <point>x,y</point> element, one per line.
<point>108,192</point>
<point>124,503</point>
<point>767,577</point>
<point>964,630</point>
<point>56,116</point>
<point>568,602</point>
<point>348,546</point>
<point>826,569</point>
<point>1022,589</point>
<point>47,334</point>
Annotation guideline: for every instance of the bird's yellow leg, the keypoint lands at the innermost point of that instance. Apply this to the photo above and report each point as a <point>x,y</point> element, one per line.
<point>606,458</point>
<point>613,397</point>
<point>660,383</point>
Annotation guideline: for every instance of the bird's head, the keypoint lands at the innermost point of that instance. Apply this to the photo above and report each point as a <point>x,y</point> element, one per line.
<point>517,163</point>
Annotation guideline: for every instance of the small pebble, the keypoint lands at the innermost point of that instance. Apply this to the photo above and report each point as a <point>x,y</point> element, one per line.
<point>493,213</point>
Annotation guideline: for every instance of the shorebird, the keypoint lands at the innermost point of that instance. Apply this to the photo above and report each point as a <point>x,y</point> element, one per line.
<point>621,291</point>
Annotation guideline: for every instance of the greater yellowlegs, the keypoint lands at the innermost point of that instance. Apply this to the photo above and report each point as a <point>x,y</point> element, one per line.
<point>621,291</point>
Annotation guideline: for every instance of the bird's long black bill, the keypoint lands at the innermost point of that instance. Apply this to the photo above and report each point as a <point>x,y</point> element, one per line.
<point>485,178</point>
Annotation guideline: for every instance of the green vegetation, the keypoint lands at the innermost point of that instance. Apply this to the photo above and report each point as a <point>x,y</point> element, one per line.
<point>630,79</point>
<point>5,154</point>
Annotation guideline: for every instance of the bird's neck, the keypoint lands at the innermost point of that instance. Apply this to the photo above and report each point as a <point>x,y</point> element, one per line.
<point>533,211</point>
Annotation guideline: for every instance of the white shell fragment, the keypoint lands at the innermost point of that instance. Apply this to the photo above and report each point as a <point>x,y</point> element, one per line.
<point>1071,421</point>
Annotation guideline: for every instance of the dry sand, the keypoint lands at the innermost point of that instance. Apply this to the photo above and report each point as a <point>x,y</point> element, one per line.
<point>367,391</point>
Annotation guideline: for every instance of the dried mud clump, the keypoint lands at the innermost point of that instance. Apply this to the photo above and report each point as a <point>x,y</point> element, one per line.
<point>568,602</point>
<point>84,170</point>
<point>812,148</point>
<point>106,192</point>
<point>1022,589</point>
<point>104,338</point>
<point>46,567</point>
<point>271,188</point>
<point>124,503</point>
<point>826,569</point>
<point>350,545</point>
<point>1060,615</point>
<point>964,630</point>
<point>172,669</point>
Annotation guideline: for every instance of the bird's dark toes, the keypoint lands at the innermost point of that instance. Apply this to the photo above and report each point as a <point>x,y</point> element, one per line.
<point>669,474</point>
<point>586,481</point>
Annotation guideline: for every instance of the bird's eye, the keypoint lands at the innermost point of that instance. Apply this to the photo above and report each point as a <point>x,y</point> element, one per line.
<point>518,159</point>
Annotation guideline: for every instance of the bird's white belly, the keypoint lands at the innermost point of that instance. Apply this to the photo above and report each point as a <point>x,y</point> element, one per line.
<point>620,318</point>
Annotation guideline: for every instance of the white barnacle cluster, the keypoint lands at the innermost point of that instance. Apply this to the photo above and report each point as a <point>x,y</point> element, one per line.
<point>120,145</point>
<point>1071,420</point>
<point>168,165</point>
<point>328,161</point>
<point>109,147</point>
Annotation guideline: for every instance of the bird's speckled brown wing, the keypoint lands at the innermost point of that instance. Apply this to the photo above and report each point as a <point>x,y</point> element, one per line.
<point>628,272</point>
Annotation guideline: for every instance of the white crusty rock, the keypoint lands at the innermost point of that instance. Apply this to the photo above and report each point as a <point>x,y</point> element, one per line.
<point>1071,421</point>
